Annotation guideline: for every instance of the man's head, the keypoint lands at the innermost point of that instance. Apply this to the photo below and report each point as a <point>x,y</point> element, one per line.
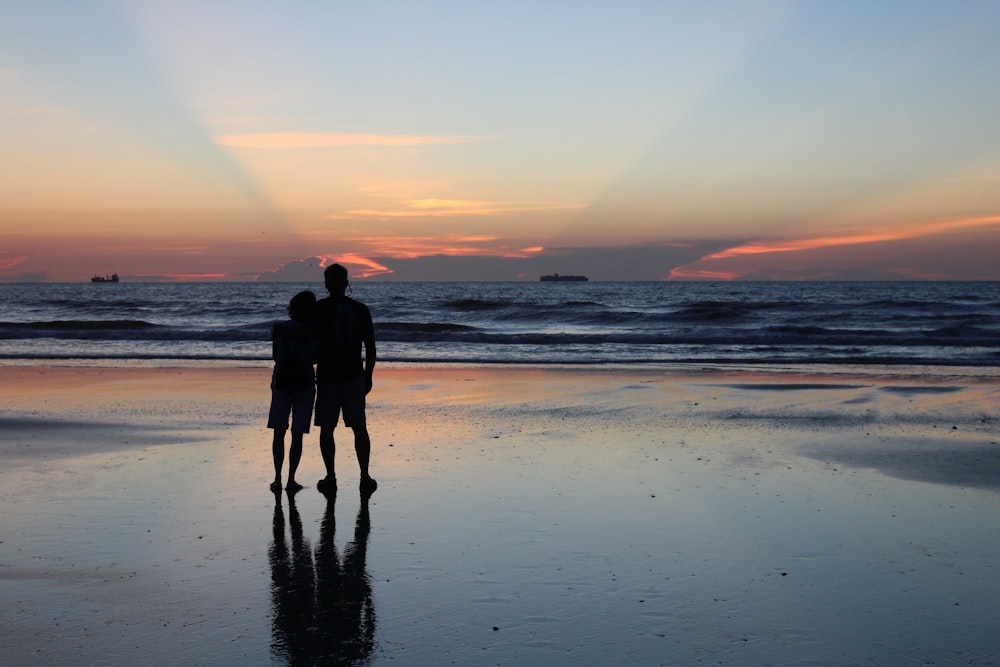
<point>335,277</point>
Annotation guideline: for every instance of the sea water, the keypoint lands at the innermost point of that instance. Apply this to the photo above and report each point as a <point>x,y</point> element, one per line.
<point>949,324</point>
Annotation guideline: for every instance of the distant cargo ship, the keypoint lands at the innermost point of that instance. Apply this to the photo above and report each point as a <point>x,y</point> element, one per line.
<point>555,277</point>
<point>113,278</point>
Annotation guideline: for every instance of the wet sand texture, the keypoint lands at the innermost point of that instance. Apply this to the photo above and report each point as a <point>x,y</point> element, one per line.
<point>524,516</point>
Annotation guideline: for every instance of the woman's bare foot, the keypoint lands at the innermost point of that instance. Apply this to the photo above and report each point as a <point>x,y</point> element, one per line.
<point>327,486</point>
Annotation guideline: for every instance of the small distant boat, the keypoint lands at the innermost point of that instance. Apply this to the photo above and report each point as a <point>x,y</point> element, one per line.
<point>555,277</point>
<point>113,278</point>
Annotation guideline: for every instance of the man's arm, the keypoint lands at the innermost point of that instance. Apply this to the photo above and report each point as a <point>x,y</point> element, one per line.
<point>370,355</point>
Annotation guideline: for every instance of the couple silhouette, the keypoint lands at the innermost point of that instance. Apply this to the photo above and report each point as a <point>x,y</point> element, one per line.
<point>331,334</point>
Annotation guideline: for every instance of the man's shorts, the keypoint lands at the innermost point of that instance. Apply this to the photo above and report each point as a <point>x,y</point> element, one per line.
<point>297,403</point>
<point>332,398</point>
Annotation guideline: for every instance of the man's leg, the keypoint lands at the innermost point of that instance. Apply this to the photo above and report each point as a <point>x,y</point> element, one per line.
<point>328,450</point>
<point>354,416</point>
<point>363,448</point>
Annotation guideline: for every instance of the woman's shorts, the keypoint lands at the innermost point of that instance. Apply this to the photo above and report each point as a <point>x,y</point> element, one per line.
<point>299,404</point>
<point>332,398</point>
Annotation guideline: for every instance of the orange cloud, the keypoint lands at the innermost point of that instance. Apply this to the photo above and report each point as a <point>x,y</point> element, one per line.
<point>697,270</point>
<point>368,268</point>
<point>892,234</point>
<point>448,204</point>
<point>763,247</point>
<point>413,247</point>
<point>683,272</point>
<point>295,140</point>
<point>444,208</point>
<point>476,239</point>
<point>362,266</point>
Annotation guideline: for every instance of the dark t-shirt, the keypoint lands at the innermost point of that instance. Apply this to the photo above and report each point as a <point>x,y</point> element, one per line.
<point>342,325</point>
<point>294,353</point>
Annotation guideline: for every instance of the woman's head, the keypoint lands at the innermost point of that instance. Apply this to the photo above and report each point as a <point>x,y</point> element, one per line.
<point>300,306</point>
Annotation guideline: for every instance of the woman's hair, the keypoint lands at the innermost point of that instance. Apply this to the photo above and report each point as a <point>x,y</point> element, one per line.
<point>300,306</point>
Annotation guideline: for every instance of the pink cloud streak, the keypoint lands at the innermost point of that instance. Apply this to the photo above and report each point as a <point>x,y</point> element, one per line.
<point>906,232</point>
<point>11,262</point>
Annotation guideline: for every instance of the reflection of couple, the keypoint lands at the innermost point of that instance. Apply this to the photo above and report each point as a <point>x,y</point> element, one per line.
<point>322,606</point>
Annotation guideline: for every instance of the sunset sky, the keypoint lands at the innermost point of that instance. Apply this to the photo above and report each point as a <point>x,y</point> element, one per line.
<point>246,140</point>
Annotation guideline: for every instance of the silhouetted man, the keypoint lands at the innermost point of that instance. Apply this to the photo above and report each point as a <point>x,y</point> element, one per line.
<point>343,326</point>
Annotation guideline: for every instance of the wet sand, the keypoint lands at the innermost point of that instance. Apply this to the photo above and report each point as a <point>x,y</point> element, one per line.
<point>524,516</point>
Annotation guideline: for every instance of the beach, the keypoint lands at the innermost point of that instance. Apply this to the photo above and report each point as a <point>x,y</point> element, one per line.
<point>524,516</point>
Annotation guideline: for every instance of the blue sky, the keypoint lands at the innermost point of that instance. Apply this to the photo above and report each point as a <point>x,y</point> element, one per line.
<point>499,140</point>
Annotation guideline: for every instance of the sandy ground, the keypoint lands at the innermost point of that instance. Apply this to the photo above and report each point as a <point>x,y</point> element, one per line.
<point>524,516</point>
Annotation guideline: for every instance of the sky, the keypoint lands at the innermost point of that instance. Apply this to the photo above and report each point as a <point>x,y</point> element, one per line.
<point>629,140</point>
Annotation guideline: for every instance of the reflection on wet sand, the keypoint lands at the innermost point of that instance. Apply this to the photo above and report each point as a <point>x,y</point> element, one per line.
<point>322,607</point>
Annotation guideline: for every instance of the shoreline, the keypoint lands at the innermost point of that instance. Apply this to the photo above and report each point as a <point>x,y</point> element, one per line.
<point>39,399</point>
<point>906,368</point>
<point>672,367</point>
<point>530,515</point>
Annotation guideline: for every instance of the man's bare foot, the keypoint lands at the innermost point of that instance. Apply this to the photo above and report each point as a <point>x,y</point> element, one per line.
<point>293,486</point>
<point>276,485</point>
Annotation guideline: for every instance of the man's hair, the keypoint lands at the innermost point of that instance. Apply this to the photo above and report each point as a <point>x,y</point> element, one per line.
<point>335,276</point>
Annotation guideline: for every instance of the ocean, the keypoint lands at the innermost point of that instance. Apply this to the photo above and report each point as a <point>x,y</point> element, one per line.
<point>954,325</point>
